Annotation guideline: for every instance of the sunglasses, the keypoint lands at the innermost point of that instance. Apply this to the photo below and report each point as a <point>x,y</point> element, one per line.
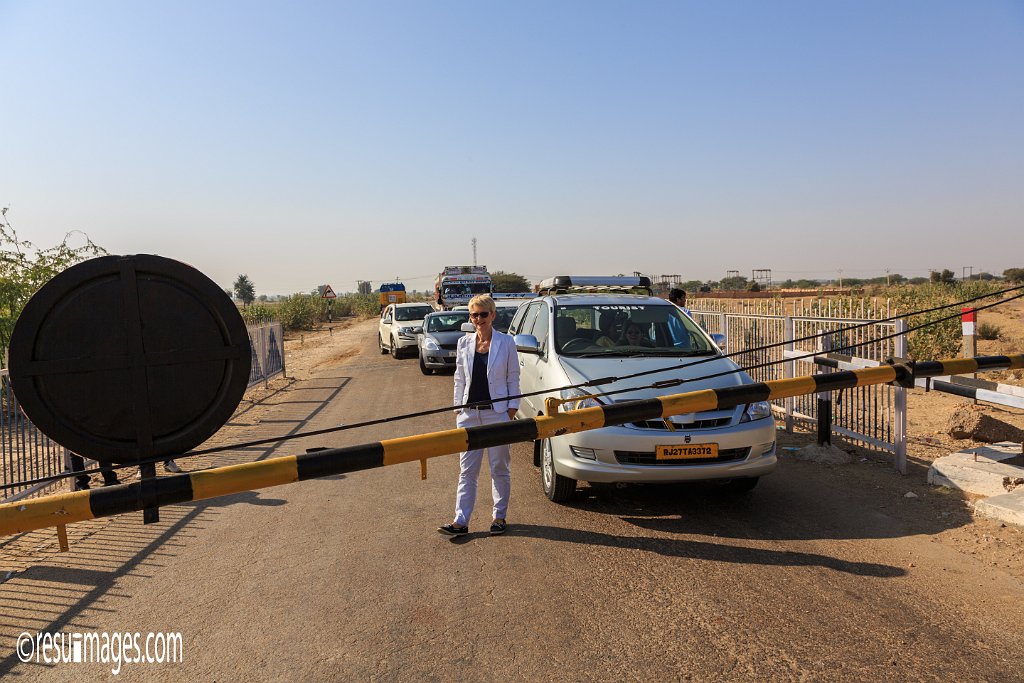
<point>481,314</point>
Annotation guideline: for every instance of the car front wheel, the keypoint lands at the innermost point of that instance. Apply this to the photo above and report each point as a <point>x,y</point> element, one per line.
<point>424,369</point>
<point>380,344</point>
<point>556,487</point>
<point>394,349</point>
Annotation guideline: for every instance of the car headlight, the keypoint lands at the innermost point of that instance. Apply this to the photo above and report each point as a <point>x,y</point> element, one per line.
<point>756,411</point>
<point>430,345</point>
<point>585,400</point>
<point>406,331</point>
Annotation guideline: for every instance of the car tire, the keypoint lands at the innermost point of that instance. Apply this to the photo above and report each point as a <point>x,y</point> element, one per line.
<point>738,487</point>
<point>395,353</point>
<point>557,488</point>
<point>380,344</point>
<point>424,369</point>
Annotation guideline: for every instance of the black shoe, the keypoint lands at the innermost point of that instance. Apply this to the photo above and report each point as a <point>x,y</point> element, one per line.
<point>498,528</point>
<point>82,484</point>
<point>452,530</point>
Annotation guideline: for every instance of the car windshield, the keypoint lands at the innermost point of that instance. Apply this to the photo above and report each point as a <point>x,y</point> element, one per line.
<point>503,318</point>
<point>447,322</point>
<point>412,312</point>
<point>628,330</point>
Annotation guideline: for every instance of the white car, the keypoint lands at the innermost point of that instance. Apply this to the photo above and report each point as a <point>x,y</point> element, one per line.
<point>565,338</point>
<point>399,325</point>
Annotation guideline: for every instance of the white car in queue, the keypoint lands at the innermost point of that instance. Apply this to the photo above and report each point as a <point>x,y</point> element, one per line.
<point>567,338</point>
<point>399,326</point>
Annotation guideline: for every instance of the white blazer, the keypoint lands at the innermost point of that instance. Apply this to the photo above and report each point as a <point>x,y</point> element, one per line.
<point>502,369</point>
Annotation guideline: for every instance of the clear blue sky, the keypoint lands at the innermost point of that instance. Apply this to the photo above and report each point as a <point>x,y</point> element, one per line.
<point>306,143</point>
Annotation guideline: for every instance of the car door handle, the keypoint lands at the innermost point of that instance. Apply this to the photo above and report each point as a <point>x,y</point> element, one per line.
<point>522,364</point>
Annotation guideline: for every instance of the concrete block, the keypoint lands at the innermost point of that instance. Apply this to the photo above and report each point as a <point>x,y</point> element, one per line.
<point>983,471</point>
<point>1008,508</point>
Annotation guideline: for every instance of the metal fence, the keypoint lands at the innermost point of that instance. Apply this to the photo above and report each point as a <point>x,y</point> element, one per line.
<point>267,340</point>
<point>873,416</point>
<point>25,452</point>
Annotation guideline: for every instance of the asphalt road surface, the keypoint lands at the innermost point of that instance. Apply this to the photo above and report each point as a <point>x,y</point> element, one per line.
<point>816,575</point>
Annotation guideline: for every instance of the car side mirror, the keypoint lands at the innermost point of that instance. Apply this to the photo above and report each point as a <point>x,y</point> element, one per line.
<point>527,343</point>
<point>719,339</point>
<point>468,327</point>
<point>386,321</point>
<point>417,330</point>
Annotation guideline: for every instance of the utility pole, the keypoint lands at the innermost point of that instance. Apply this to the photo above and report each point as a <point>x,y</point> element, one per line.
<point>886,277</point>
<point>840,278</point>
<point>474,251</point>
<point>964,275</point>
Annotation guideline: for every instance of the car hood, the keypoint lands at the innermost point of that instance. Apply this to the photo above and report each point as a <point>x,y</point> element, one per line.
<point>446,337</point>
<point>579,370</point>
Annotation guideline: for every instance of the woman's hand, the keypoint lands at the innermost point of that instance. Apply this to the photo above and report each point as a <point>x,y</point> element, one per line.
<point>512,413</point>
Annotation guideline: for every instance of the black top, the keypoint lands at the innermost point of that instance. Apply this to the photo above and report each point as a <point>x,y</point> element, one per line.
<point>478,391</point>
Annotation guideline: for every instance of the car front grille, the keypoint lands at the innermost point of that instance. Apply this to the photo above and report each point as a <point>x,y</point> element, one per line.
<point>687,426</point>
<point>450,347</point>
<point>648,458</point>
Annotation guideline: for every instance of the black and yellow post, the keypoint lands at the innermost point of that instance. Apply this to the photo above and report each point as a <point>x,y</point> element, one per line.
<point>78,506</point>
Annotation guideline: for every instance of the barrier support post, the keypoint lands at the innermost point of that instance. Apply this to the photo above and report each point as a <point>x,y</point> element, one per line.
<point>824,397</point>
<point>900,408</point>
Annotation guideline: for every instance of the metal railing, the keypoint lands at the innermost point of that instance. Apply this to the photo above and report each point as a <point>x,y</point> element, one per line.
<point>267,340</point>
<point>874,416</point>
<point>25,452</point>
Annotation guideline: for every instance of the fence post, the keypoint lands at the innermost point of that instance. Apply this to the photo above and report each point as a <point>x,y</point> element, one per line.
<point>900,428</point>
<point>280,337</point>
<point>723,325</point>
<point>824,397</point>
<point>789,369</point>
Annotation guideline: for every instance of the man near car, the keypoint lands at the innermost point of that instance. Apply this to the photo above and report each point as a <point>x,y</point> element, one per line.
<point>486,372</point>
<point>678,297</point>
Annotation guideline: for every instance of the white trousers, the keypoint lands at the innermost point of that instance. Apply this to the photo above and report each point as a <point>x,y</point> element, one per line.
<point>498,458</point>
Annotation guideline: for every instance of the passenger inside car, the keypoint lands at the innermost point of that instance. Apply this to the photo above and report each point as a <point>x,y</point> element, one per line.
<point>565,330</point>
<point>634,336</point>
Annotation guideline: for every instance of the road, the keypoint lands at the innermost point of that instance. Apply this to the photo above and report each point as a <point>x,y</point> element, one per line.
<point>820,574</point>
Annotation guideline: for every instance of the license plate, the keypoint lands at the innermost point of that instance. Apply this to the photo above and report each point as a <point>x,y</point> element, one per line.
<point>696,451</point>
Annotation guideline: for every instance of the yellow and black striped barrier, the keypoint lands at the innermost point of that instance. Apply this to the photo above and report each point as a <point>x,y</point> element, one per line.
<point>78,506</point>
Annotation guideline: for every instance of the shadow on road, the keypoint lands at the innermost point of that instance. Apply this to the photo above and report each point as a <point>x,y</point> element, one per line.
<point>702,550</point>
<point>798,502</point>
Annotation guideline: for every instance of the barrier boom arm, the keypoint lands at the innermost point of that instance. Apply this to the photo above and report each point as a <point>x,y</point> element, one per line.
<point>78,506</point>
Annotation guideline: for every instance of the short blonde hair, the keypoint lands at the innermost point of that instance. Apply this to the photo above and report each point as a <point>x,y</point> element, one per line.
<point>483,301</point>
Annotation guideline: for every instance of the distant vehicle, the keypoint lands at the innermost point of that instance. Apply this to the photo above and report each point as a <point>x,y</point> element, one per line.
<point>506,305</point>
<point>440,338</point>
<point>456,285</point>
<point>391,293</point>
<point>583,330</point>
<point>399,326</point>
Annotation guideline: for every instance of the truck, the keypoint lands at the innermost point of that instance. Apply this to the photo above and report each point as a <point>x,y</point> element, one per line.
<point>456,285</point>
<point>391,293</point>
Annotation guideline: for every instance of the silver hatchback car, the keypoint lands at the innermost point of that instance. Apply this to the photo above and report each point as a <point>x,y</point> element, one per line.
<point>566,339</point>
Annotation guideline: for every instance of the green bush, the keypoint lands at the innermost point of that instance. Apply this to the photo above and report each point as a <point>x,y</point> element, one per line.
<point>944,339</point>
<point>259,313</point>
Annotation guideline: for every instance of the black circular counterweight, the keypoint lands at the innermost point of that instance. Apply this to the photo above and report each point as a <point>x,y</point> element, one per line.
<point>122,358</point>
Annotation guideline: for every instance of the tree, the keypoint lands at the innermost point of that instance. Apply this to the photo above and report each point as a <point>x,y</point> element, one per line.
<point>735,282</point>
<point>510,282</point>
<point>24,268</point>
<point>946,277</point>
<point>1014,274</point>
<point>245,290</point>
<point>363,286</point>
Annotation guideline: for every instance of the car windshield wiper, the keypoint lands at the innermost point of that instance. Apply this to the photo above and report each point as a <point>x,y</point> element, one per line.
<point>595,354</point>
<point>706,352</point>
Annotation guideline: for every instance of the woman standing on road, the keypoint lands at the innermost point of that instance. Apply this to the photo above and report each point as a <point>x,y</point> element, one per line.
<point>486,371</point>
